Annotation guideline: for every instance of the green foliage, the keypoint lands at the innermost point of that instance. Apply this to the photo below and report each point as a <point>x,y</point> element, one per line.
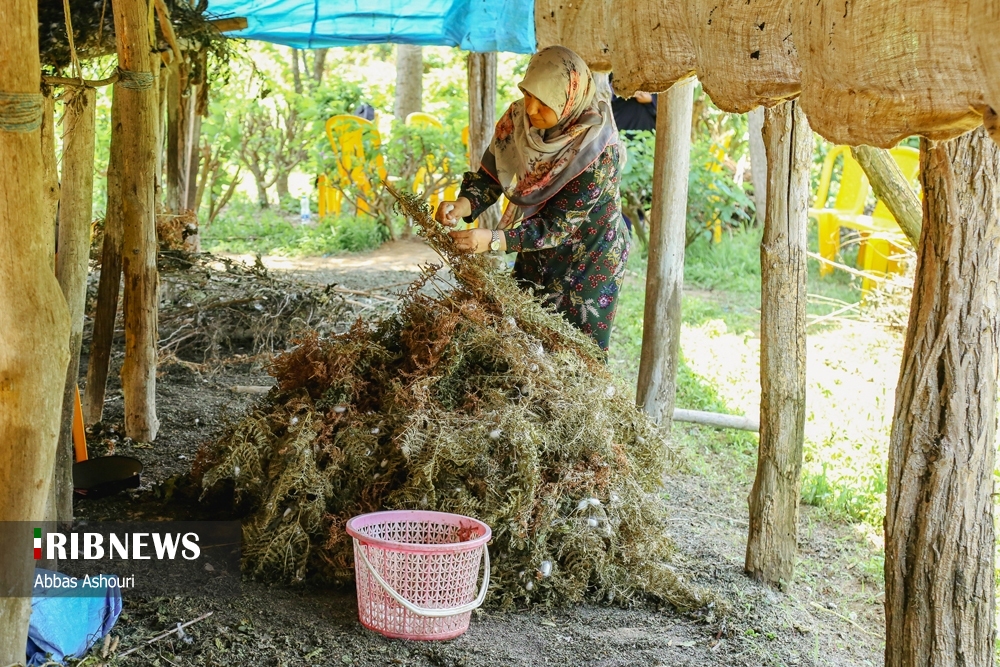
<point>244,228</point>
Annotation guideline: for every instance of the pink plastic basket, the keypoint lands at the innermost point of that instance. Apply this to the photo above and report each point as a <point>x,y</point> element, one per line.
<point>416,572</point>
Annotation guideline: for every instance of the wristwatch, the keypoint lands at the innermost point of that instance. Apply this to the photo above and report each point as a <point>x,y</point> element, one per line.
<point>495,243</point>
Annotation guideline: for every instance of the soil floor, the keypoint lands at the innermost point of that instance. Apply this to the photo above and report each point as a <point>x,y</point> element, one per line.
<point>830,615</point>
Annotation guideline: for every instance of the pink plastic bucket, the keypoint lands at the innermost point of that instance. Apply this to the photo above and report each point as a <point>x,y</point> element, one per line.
<point>416,572</point>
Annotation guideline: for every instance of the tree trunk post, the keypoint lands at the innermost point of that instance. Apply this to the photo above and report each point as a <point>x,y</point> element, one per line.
<point>758,161</point>
<point>891,187</point>
<point>34,323</point>
<point>192,157</point>
<point>939,541</point>
<point>774,499</point>
<point>177,136</point>
<point>482,71</point>
<point>75,215</point>
<point>409,80</point>
<point>50,169</point>
<point>137,88</point>
<point>109,285</point>
<point>661,324</point>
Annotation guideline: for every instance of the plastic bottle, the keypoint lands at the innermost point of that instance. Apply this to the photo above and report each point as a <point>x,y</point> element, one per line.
<point>304,208</point>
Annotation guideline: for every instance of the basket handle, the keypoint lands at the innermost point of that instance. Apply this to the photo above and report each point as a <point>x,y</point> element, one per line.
<point>423,611</point>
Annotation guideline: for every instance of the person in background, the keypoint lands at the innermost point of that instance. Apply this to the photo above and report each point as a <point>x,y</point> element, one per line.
<point>556,155</point>
<point>635,114</point>
<point>365,110</point>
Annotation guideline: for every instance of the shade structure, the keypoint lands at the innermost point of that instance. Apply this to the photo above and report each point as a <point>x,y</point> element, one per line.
<point>474,25</point>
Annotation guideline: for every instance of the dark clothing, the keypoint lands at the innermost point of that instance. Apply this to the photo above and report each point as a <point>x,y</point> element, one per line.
<point>631,115</point>
<point>574,250</point>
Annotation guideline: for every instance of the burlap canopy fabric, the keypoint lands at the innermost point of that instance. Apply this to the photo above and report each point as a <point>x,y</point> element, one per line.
<point>578,25</point>
<point>876,71</point>
<point>867,71</point>
<point>745,53</point>
<point>650,45</point>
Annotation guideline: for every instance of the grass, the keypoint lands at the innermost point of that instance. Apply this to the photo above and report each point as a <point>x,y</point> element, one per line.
<point>851,371</point>
<point>242,227</point>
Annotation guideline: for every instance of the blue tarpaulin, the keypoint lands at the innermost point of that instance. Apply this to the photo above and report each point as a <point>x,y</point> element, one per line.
<point>474,25</point>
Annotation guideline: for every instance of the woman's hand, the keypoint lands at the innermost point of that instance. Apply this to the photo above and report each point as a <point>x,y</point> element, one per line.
<point>475,240</point>
<point>451,212</point>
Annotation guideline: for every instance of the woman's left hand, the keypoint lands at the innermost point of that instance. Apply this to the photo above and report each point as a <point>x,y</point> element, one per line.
<point>475,240</point>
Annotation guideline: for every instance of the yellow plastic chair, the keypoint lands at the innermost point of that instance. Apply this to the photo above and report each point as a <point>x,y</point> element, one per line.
<point>849,203</point>
<point>426,120</point>
<point>357,145</point>
<point>882,241</point>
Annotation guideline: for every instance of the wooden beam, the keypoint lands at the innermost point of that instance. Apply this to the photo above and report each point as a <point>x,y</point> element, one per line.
<point>139,107</point>
<point>110,281</point>
<point>890,186</point>
<point>75,216</point>
<point>34,323</point>
<point>716,419</point>
<point>939,541</point>
<point>230,24</point>
<point>661,327</point>
<point>482,74</point>
<point>774,499</point>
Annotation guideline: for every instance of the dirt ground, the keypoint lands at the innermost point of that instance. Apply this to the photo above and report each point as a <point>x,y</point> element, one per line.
<point>831,614</point>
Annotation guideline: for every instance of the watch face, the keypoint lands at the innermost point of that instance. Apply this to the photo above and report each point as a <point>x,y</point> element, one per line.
<point>494,245</point>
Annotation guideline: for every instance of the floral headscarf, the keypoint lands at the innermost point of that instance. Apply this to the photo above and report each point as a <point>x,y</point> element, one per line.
<point>532,165</point>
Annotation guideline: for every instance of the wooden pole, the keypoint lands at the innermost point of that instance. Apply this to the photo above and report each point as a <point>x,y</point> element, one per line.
<point>177,136</point>
<point>482,70</point>
<point>716,419</point>
<point>137,90</point>
<point>50,169</point>
<point>774,499</point>
<point>661,327</point>
<point>192,156</point>
<point>939,541</point>
<point>110,282</point>
<point>890,186</point>
<point>34,323</point>
<point>75,216</point>
<point>758,161</point>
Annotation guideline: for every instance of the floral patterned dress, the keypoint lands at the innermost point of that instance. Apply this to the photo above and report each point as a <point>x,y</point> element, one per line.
<point>573,251</point>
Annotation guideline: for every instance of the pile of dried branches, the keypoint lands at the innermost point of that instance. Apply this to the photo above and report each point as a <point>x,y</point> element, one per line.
<point>212,307</point>
<point>473,399</point>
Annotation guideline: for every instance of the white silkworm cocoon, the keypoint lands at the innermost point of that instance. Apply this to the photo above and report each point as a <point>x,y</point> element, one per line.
<point>545,568</point>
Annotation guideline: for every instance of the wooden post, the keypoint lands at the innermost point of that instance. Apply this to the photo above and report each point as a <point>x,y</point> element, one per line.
<point>192,157</point>
<point>137,93</point>
<point>758,161</point>
<point>482,69</point>
<point>939,541</point>
<point>890,186</point>
<point>110,281</point>
<point>661,325</point>
<point>75,216</point>
<point>50,169</point>
<point>774,499</point>
<point>177,136</point>
<point>34,323</point>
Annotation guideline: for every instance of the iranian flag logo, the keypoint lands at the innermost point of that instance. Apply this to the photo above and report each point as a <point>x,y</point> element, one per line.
<point>38,544</point>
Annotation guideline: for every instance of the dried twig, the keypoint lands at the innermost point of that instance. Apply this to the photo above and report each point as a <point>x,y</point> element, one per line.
<point>168,633</point>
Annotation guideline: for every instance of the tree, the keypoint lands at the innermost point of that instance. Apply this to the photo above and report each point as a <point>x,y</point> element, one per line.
<point>34,321</point>
<point>409,80</point>
<point>939,541</point>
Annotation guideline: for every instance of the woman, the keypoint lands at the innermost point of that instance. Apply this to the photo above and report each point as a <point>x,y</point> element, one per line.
<point>555,155</point>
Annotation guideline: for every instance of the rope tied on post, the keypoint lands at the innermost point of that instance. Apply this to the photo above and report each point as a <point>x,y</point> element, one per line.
<point>20,112</point>
<point>134,80</point>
